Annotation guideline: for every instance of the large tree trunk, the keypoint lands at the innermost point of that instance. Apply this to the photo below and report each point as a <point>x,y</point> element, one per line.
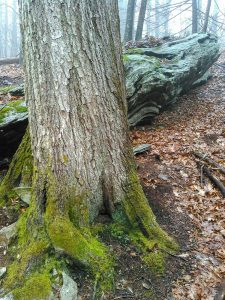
<point>141,19</point>
<point>128,35</point>
<point>83,161</point>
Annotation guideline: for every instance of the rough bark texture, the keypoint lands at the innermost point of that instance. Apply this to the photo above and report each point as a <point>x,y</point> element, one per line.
<point>155,77</point>
<point>83,162</point>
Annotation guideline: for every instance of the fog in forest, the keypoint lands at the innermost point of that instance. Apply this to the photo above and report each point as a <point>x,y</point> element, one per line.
<point>139,19</point>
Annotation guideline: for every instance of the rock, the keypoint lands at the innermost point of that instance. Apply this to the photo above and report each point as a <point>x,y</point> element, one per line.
<point>69,289</point>
<point>7,297</point>
<point>141,148</point>
<point>155,77</point>
<point>24,193</point>
<point>13,123</point>
<point>2,272</point>
<point>7,233</point>
<point>17,91</point>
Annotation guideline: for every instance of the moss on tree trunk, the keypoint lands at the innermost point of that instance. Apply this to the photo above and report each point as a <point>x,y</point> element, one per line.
<point>83,161</point>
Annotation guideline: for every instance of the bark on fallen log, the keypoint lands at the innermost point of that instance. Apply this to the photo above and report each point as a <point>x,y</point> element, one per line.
<point>214,180</point>
<point>155,77</point>
<point>207,159</point>
<point>7,61</point>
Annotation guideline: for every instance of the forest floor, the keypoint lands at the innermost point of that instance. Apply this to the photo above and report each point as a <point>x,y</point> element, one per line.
<point>184,201</point>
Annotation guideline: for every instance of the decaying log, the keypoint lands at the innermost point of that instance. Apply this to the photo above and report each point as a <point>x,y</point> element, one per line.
<point>209,160</point>
<point>214,180</point>
<point>7,61</point>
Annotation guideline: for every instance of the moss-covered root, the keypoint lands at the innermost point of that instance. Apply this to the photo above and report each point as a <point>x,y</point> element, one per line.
<point>20,170</point>
<point>83,248</point>
<point>145,231</point>
<point>44,249</point>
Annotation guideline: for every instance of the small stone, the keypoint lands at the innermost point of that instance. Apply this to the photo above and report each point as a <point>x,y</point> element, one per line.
<point>146,285</point>
<point>69,289</point>
<point>2,271</point>
<point>7,297</point>
<point>163,177</point>
<point>24,193</point>
<point>7,233</point>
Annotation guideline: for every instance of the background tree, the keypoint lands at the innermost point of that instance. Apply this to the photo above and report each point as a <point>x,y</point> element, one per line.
<point>206,20</point>
<point>128,36</point>
<point>83,161</point>
<point>141,18</point>
<point>194,16</point>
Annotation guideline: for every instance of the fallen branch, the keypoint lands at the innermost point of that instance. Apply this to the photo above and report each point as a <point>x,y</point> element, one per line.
<point>204,157</point>
<point>214,180</point>
<point>7,61</point>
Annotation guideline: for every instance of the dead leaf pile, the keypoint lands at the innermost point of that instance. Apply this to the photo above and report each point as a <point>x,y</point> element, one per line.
<point>196,123</point>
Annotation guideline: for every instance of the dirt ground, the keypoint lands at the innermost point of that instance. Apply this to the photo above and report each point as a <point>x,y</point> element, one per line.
<point>184,201</point>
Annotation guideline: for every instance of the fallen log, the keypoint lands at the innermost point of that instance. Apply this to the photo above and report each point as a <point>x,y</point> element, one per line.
<point>207,159</point>
<point>213,179</point>
<point>155,77</point>
<point>8,61</point>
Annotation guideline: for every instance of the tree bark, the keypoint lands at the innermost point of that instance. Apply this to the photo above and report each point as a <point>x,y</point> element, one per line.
<point>128,36</point>
<point>194,16</point>
<point>206,21</point>
<point>141,19</point>
<point>83,160</point>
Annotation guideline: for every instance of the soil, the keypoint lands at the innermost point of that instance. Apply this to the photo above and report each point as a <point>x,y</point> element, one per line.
<point>171,181</point>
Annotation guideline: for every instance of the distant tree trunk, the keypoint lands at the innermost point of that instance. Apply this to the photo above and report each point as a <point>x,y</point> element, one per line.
<point>6,45</point>
<point>14,45</point>
<point>122,12</point>
<point>128,35</point>
<point>149,21</point>
<point>157,18</point>
<point>141,19</point>
<point>194,16</point>
<point>167,16</point>
<point>215,19</point>
<point>206,21</point>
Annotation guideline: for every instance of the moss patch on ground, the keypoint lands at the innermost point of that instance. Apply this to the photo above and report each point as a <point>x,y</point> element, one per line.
<point>12,108</point>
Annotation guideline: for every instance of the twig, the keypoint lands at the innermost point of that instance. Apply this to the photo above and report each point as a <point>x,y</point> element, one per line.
<point>174,255</point>
<point>214,180</point>
<point>3,107</point>
<point>209,160</point>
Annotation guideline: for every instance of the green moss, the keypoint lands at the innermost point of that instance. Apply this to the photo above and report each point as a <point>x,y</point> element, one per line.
<point>135,51</point>
<point>5,89</point>
<point>125,57</point>
<point>84,248</point>
<point>12,108</point>
<point>20,170</point>
<point>37,287</point>
<point>156,262</point>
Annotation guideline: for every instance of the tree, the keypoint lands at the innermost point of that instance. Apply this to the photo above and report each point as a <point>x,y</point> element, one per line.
<point>194,16</point>
<point>14,42</point>
<point>141,19</point>
<point>122,13</point>
<point>206,21</point>
<point>128,35</point>
<point>82,158</point>
<point>157,18</point>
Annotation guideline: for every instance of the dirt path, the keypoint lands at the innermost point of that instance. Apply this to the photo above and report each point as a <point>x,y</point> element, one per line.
<point>172,179</point>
